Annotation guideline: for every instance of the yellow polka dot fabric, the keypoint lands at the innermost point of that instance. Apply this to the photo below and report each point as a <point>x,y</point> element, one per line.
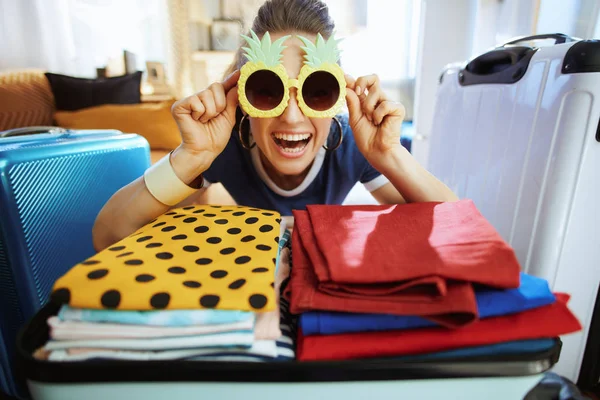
<point>196,257</point>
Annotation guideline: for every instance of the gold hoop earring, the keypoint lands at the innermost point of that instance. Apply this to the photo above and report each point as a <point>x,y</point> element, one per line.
<point>244,145</point>
<point>339,143</point>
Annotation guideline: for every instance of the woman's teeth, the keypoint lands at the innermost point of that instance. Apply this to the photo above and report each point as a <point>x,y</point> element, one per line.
<point>292,137</point>
<point>292,143</point>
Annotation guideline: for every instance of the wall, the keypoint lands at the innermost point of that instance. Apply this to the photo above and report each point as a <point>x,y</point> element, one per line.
<point>445,36</point>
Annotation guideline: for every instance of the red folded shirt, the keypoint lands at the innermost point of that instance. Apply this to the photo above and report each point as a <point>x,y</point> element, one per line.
<point>400,243</point>
<point>548,321</point>
<point>456,308</point>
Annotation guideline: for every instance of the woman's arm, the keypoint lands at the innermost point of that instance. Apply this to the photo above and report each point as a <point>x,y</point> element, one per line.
<point>376,123</point>
<point>409,181</point>
<point>133,206</point>
<point>205,121</point>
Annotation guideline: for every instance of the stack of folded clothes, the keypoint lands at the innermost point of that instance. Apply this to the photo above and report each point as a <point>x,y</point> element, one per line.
<point>427,279</point>
<point>197,283</point>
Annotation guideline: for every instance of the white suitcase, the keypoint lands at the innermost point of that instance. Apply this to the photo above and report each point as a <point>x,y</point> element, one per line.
<point>517,131</point>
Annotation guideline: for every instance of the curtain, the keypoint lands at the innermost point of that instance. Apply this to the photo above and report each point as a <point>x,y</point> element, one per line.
<point>36,34</point>
<point>75,37</point>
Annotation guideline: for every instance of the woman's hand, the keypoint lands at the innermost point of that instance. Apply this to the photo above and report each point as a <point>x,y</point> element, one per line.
<point>205,119</point>
<point>375,120</point>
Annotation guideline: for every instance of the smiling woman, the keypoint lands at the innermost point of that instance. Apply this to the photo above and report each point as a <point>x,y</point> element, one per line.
<point>274,132</point>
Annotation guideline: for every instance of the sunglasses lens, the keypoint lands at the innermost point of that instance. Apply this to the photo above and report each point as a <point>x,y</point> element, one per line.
<point>320,91</point>
<point>264,90</point>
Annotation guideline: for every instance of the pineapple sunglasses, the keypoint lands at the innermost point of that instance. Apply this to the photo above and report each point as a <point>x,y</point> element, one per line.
<point>264,85</point>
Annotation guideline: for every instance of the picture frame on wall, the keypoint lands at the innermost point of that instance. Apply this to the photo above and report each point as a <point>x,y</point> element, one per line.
<point>156,77</point>
<point>225,34</point>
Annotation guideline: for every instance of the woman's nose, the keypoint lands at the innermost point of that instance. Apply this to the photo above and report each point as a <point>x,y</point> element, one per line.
<point>292,114</point>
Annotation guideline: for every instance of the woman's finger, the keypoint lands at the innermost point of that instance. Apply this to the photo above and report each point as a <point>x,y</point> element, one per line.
<point>374,98</point>
<point>365,83</point>
<point>208,101</point>
<point>387,108</point>
<point>218,93</point>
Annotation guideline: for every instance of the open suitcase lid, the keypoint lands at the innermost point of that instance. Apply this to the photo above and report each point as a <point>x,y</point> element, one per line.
<point>35,334</point>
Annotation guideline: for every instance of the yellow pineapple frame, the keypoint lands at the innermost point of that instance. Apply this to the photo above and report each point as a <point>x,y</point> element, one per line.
<point>262,55</point>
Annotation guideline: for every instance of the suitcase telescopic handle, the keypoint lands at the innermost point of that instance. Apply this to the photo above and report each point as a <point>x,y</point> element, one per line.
<point>32,130</point>
<point>559,38</point>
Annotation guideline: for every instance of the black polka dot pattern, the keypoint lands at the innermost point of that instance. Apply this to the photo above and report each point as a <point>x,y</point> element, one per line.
<point>111,299</point>
<point>160,300</point>
<point>62,295</point>
<point>209,257</point>
<point>134,262</point>
<point>164,255</point>
<point>97,274</point>
<point>201,229</point>
<point>219,274</point>
<point>209,301</point>
<point>257,301</point>
<point>116,248</point>
<point>237,284</point>
<point>125,254</point>
<point>144,278</point>
<point>266,228</point>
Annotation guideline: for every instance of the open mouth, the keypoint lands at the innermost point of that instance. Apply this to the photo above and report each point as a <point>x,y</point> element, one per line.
<point>291,143</point>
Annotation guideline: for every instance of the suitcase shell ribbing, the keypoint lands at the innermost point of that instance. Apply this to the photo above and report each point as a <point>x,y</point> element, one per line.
<point>521,140</point>
<point>52,187</point>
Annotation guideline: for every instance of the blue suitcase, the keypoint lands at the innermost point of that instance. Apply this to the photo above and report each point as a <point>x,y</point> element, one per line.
<point>53,183</point>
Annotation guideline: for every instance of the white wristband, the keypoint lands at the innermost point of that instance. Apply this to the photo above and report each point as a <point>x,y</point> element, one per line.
<point>164,184</point>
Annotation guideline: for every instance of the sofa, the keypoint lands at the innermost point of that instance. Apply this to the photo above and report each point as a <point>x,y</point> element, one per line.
<point>26,99</point>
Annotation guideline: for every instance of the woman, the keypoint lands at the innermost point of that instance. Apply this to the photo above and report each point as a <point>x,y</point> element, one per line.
<point>279,163</point>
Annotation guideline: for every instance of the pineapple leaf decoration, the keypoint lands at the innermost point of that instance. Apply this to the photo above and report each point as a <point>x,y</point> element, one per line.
<point>263,50</point>
<point>320,52</point>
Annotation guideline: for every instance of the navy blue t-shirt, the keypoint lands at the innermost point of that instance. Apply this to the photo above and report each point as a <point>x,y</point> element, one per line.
<point>330,178</point>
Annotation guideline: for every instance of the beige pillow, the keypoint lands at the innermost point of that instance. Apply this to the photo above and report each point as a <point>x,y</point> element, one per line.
<point>150,120</point>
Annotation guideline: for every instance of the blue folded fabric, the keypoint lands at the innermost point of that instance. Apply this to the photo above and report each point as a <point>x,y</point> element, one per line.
<point>532,293</point>
<point>514,347</point>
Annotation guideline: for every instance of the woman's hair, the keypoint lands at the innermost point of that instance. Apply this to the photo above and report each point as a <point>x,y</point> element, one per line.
<point>277,16</point>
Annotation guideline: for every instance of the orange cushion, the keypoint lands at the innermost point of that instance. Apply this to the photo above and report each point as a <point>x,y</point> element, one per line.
<point>150,120</point>
<point>25,99</point>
